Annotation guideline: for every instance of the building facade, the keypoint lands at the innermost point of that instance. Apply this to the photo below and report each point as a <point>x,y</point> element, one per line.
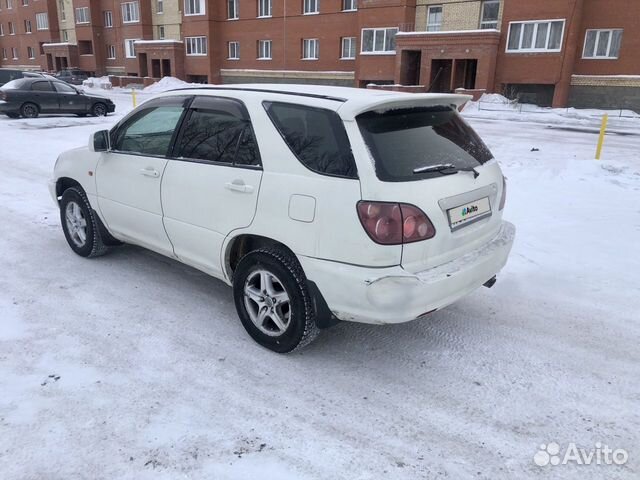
<point>552,52</point>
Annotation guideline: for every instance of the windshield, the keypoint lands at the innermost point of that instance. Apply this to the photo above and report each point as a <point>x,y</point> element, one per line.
<point>405,140</point>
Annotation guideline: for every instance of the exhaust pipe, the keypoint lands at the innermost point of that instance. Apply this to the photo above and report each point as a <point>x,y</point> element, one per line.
<point>491,282</point>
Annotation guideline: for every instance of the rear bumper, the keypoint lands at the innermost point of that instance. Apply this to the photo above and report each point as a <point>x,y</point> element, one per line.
<point>393,295</point>
<point>6,107</point>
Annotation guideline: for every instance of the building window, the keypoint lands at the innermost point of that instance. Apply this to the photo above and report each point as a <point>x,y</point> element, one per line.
<point>161,32</point>
<point>63,13</point>
<point>545,36</point>
<point>85,47</point>
<point>434,18</point>
<point>31,53</point>
<point>232,10</point>
<point>160,7</point>
<point>196,45</point>
<point>311,6</point>
<point>12,30</point>
<point>25,3</point>
<point>4,54</point>
<point>310,49</point>
<point>264,8</point>
<point>349,5</point>
<point>42,21</point>
<point>14,52</point>
<point>111,52</point>
<point>27,26</point>
<point>194,7</point>
<point>379,40</point>
<point>9,4</point>
<point>234,50</point>
<point>65,36</point>
<point>130,12</point>
<point>1,30</point>
<point>264,49</point>
<point>602,44</point>
<point>108,19</point>
<point>82,15</point>
<point>348,48</point>
<point>490,14</point>
<point>130,48</point>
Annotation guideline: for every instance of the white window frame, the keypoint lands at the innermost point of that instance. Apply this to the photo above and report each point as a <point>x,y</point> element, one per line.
<point>63,13</point>
<point>111,52</point>
<point>352,41</point>
<point>197,46</point>
<point>14,53</point>
<point>9,4</point>
<point>42,21</point>
<point>162,32</point>
<point>65,36</point>
<point>85,14</point>
<point>310,7</point>
<point>4,54</point>
<point>1,30</point>
<point>489,22</point>
<point>12,28</point>
<point>310,49</point>
<point>25,3</point>
<point>349,6</point>
<point>108,19</point>
<point>595,55</point>
<point>265,8</point>
<point>232,10</point>
<point>194,7</point>
<point>130,47</point>
<point>233,50</point>
<point>435,27</point>
<point>537,24</point>
<point>376,31</point>
<point>31,53</point>
<point>27,26</point>
<point>159,7</point>
<point>130,12</point>
<point>262,49</point>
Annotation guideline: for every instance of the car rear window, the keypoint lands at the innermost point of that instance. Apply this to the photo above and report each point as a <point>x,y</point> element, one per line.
<point>316,136</point>
<point>404,140</point>
<point>14,84</point>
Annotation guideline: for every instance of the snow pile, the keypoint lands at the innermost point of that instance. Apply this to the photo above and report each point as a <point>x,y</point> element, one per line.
<point>495,98</point>
<point>98,82</point>
<point>167,83</point>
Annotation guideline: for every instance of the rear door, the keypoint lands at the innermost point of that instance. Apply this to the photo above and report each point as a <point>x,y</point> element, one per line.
<point>431,158</point>
<point>69,100</point>
<point>128,178</point>
<point>210,186</point>
<point>43,94</point>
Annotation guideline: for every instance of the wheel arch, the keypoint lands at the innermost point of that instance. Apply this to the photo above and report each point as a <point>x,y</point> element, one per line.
<point>64,183</point>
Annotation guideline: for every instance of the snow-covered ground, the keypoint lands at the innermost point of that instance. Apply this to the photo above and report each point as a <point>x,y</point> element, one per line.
<point>132,366</point>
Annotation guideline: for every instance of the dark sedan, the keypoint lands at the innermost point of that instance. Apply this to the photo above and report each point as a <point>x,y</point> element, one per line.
<point>29,97</point>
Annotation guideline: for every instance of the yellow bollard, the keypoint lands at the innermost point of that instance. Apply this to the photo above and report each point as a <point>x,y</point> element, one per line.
<point>133,97</point>
<point>603,130</point>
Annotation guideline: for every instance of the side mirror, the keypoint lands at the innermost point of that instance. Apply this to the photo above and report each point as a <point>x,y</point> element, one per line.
<point>99,141</point>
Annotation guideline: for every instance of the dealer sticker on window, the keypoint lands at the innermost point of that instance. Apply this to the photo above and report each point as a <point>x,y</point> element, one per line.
<point>469,213</point>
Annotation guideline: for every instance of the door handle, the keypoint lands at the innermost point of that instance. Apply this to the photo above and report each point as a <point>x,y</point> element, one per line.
<point>150,172</point>
<point>238,186</point>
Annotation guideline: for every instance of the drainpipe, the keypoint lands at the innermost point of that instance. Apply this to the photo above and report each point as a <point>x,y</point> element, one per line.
<point>573,44</point>
<point>284,36</point>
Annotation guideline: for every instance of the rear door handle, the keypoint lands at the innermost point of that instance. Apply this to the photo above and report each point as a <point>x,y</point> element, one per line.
<point>239,186</point>
<point>150,172</point>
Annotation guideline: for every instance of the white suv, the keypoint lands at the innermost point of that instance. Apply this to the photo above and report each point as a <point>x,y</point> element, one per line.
<point>317,204</point>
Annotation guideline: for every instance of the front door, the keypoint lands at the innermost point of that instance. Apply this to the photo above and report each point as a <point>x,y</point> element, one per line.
<point>210,187</point>
<point>69,100</point>
<point>128,177</point>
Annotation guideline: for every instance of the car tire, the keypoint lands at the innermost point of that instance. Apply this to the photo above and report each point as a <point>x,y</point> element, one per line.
<point>13,115</point>
<point>273,301</point>
<point>79,224</point>
<point>29,110</point>
<point>99,110</point>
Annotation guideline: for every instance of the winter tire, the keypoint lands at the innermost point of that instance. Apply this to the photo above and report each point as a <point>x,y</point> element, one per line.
<point>29,110</point>
<point>273,301</point>
<point>79,224</point>
<point>99,110</point>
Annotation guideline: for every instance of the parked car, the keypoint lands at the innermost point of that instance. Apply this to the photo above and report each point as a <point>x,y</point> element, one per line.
<point>8,74</point>
<point>316,204</point>
<point>72,76</point>
<point>29,97</point>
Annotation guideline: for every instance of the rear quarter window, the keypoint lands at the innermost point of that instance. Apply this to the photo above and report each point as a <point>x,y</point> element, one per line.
<point>316,136</point>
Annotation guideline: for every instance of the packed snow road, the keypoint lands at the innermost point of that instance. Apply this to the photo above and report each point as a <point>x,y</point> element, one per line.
<point>132,366</point>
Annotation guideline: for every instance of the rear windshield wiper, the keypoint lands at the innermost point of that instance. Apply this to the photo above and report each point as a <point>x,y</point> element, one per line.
<point>446,169</point>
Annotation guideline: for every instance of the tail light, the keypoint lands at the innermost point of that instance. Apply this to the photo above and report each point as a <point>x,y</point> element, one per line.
<point>503,199</point>
<point>394,223</point>
<point>3,95</point>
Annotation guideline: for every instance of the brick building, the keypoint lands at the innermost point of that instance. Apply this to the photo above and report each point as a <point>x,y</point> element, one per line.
<point>560,52</point>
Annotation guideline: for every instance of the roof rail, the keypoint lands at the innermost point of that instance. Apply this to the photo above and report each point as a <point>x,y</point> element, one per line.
<point>264,90</point>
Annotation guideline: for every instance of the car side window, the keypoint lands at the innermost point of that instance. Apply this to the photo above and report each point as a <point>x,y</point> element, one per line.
<point>41,86</point>
<point>316,136</point>
<point>149,131</point>
<point>218,130</point>
<point>64,88</point>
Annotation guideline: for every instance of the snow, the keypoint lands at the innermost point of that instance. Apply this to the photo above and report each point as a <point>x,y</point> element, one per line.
<point>451,32</point>
<point>132,366</point>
